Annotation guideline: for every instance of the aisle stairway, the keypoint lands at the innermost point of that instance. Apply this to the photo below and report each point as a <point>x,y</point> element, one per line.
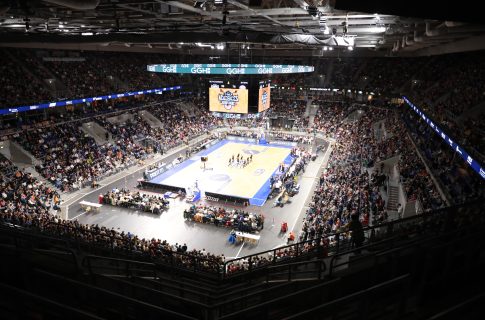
<point>393,196</point>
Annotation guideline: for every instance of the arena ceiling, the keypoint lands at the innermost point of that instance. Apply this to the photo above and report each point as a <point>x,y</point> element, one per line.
<point>289,25</point>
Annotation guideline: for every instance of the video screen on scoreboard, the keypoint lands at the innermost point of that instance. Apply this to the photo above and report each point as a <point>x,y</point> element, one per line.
<point>264,95</point>
<point>231,98</point>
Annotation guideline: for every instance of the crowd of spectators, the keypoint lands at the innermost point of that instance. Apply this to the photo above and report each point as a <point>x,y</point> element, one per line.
<point>70,158</point>
<point>22,196</point>
<point>345,190</point>
<point>72,74</point>
<point>446,89</point>
<point>236,218</point>
<point>289,109</point>
<point>135,200</point>
<point>458,180</point>
<point>345,187</point>
<point>17,86</point>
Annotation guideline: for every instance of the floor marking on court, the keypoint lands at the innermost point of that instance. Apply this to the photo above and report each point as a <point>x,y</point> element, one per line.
<point>237,255</point>
<point>77,216</point>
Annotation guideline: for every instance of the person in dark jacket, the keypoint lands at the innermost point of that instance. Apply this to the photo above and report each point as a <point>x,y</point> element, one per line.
<point>357,232</point>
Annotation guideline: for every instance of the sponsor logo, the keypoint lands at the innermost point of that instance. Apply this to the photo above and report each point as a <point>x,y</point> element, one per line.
<point>209,198</point>
<point>235,71</point>
<point>264,99</point>
<point>200,70</point>
<point>228,99</point>
<point>171,69</point>
<point>265,70</point>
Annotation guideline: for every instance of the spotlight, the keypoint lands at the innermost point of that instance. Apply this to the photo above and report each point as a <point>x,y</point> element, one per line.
<point>313,11</point>
<point>199,4</point>
<point>350,48</point>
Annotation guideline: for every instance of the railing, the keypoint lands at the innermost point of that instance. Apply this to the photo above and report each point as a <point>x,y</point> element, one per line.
<point>460,310</point>
<point>291,272</point>
<point>24,300</point>
<point>341,242</point>
<point>379,236</point>
<point>364,300</point>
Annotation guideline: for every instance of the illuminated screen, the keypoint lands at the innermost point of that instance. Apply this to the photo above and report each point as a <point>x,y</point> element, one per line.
<point>228,100</point>
<point>264,96</point>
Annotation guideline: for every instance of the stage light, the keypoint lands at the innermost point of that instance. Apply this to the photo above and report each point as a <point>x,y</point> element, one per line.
<point>330,48</point>
<point>313,11</point>
<point>350,48</point>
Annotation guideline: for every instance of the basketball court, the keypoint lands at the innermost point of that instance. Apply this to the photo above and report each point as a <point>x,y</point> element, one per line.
<point>216,175</point>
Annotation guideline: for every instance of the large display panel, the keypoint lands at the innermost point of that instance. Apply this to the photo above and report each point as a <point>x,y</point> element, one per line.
<point>264,95</point>
<point>225,99</point>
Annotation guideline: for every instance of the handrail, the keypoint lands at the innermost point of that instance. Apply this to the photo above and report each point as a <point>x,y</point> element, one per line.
<point>320,262</point>
<point>322,244</point>
<point>456,310</point>
<point>288,296</point>
<point>161,293</point>
<point>436,220</point>
<point>118,296</point>
<point>237,297</point>
<point>28,297</point>
<point>353,296</point>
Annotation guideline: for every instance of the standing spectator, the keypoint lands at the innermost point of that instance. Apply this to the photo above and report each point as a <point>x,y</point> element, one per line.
<point>399,211</point>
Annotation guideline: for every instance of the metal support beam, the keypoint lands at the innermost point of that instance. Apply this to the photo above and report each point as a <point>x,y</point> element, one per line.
<point>256,12</point>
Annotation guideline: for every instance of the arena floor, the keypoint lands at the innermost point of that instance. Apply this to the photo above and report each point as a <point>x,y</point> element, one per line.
<point>171,226</point>
<point>251,182</point>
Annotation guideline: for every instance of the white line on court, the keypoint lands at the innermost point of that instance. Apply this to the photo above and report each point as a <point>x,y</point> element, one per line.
<point>237,255</point>
<point>77,216</point>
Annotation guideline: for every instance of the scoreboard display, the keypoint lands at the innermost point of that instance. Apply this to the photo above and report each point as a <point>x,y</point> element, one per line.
<point>239,96</point>
<point>228,98</point>
<point>264,96</point>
